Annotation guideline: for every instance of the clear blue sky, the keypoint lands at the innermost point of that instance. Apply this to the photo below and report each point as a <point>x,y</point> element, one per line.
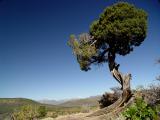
<point>36,63</point>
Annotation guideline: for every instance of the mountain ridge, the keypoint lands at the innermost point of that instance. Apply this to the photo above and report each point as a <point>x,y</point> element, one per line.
<point>74,102</point>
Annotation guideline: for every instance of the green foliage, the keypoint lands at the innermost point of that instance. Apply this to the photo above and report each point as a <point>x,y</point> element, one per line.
<point>26,112</point>
<point>122,26</point>
<point>82,49</point>
<point>140,110</point>
<point>42,111</point>
<point>8,105</point>
<point>29,112</point>
<point>118,30</point>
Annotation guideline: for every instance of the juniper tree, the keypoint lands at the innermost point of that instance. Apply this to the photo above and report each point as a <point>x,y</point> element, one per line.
<point>119,29</point>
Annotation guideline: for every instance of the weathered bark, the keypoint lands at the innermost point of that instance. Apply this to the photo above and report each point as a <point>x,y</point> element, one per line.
<point>124,81</point>
<point>126,95</point>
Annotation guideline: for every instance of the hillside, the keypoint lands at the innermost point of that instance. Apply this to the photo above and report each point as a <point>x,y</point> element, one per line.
<point>17,101</point>
<point>8,105</point>
<point>91,101</point>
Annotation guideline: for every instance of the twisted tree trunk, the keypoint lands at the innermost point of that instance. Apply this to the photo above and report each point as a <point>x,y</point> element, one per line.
<point>124,80</point>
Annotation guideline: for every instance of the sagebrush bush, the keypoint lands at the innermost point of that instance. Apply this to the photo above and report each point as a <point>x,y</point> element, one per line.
<point>151,94</point>
<point>140,110</point>
<point>107,99</point>
<point>42,111</point>
<point>27,112</point>
<point>154,93</point>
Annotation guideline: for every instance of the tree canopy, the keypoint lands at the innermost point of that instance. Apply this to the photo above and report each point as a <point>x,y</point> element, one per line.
<point>119,29</point>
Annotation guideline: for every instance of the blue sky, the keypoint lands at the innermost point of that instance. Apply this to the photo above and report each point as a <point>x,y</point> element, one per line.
<point>36,63</point>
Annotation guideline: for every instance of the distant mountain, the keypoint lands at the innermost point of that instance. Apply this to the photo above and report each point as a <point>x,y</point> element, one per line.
<point>91,101</point>
<point>52,102</point>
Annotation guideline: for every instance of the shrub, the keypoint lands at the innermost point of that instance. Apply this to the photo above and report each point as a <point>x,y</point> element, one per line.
<point>140,110</point>
<point>154,91</point>
<point>42,111</point>
<point>107,99</point>
<point>151,94</point>
<point>54,115</point>
<point>27,112</point>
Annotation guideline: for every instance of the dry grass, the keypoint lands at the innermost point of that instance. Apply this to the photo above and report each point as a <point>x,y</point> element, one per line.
<point>79,116</point>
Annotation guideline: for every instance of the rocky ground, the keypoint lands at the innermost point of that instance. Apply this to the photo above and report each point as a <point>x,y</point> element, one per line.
<point>83,116</point>
<point>94,115</point>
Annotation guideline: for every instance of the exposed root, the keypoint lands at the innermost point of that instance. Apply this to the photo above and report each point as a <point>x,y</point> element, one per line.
<point>112,110</point>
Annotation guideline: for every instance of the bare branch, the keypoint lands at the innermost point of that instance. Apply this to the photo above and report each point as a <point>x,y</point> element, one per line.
<point>158,78</point>
<point>93,42</point>
<point>158,61</point>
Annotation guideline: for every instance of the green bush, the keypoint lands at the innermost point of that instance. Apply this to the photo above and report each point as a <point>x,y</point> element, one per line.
<point>42,111</point>
<point>27,112</point>
<point>140,110</point>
